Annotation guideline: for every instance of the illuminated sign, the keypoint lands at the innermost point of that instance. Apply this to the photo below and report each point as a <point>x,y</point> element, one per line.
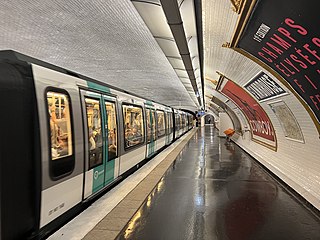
<point>201,113</point>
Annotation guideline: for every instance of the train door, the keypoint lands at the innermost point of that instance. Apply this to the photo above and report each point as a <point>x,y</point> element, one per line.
<point>99,169</point>
<point>161,129</point>
<point>169,128</point>
<point>180,124</point>
<point>184,123</point>
<point>61,141</point>
<point>111,128</point>
<point>174,124</point>
<point>177,124</point>
<point>151,131</point>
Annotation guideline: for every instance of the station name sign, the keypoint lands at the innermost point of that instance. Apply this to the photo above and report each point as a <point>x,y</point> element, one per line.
<point>284,34</point>
<point>262,87</point>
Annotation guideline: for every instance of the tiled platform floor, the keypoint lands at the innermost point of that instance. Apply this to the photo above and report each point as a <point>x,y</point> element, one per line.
<point>117,219</point>
<point>214,190</point>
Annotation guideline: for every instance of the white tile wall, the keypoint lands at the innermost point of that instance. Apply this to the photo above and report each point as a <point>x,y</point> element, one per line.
<point>297,164</point>
<point>225,123</point>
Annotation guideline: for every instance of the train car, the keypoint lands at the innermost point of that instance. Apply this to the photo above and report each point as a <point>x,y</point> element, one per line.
<point>66,139</point>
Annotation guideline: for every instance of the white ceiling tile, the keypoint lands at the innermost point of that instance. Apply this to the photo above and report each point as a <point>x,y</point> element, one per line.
<point>176,62</point>
<point>153,16</point>
<point>182,73</point>
<point>188,17</point>
<point>169,47</point>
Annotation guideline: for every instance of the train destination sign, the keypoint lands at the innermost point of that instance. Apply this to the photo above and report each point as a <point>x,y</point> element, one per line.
<point>284,34</point>
<point>261,127</point>
<point>262,87</point>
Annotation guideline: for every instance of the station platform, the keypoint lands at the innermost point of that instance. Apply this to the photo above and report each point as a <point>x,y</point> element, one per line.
<point>201,187</point>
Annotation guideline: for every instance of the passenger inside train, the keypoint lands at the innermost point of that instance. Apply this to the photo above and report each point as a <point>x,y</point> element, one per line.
<point>94,130</point>
<point>112,130</point>
<point>134,126</point>
<point>58,108</point>
<point>151,126</point>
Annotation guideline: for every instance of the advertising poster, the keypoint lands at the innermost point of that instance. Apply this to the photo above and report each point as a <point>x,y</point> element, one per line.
<point>261,127</point>
<point>262,87</point>
<point>285,35</point>
<point>288,122</point>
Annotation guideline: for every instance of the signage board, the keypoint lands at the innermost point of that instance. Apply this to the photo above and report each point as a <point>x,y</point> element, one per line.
<point>262,87</point>
<point>284,34</point>
<point>289,123</point>
<point>261,127</point>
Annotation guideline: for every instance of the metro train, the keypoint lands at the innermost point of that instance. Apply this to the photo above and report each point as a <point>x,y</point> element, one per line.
<point>67,138</point>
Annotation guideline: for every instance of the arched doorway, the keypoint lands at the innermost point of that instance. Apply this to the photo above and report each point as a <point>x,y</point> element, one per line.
<point>208,119</point>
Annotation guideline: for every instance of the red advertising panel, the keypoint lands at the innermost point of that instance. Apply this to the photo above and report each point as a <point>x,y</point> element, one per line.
<point>261,126</point>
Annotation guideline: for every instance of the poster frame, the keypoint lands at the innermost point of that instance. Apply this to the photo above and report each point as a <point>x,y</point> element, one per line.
<point>273,145</point>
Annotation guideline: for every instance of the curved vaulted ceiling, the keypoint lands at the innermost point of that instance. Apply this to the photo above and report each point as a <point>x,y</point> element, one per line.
<point>225,60</point>
<point>104,40</point>
<point>173,25</point>
<point>153,48</point>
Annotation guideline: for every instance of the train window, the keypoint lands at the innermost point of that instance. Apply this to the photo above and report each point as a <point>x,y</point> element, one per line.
<point>190,121</point>
<point>94,132</point>
<point>61,146</point>
<point>148,125</point>
<point>177,121</point>
<point>60,125</point>
<point>161,123</point>
<point>151,126</point>
<point>112,130</point>
<point>183,120</point>
<point>133,125</point>
<point>167,122</point>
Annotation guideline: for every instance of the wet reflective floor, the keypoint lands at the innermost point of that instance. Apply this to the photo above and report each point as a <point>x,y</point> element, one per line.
<point>214,190</point>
